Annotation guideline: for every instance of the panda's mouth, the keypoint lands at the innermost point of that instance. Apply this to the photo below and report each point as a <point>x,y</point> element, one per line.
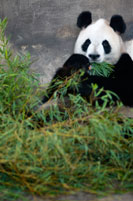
<point>95,61</point>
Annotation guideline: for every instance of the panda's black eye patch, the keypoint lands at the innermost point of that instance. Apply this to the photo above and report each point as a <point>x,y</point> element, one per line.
<point>106,46</point>
<point>86,45</point>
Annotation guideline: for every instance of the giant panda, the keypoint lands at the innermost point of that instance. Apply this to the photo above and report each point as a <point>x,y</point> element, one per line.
<point>97,42</point>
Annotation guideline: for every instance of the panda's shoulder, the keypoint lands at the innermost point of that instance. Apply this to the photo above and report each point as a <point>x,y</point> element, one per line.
<point>129,47</point>
<point>124,67</point>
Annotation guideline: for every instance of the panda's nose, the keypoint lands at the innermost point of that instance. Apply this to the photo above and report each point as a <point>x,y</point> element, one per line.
<point>94,56</point>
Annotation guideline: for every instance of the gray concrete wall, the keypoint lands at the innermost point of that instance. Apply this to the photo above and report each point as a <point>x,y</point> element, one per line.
<point>47,28</point>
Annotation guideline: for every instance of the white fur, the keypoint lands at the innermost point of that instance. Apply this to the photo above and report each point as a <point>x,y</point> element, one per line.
<point>97,32</point>
<point>129,47</point>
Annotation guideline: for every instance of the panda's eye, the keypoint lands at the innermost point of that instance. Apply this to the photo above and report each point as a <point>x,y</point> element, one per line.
<point>86,45</point>
<point>106,46</point>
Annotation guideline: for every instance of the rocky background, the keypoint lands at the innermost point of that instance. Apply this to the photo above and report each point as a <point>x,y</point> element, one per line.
<point>47,28</point>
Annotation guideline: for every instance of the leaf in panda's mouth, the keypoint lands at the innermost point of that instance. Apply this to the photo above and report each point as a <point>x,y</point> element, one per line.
<point>102,69</point>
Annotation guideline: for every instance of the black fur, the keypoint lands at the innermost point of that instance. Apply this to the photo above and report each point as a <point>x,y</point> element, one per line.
<point>120,81</point>
<point>84,19</point>
<point>106,46</point>
<point>86,45</point>
<point>118,24</point>
<point>72,65</point>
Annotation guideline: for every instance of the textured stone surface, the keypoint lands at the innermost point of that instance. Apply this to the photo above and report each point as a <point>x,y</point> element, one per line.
<point>47,28</point>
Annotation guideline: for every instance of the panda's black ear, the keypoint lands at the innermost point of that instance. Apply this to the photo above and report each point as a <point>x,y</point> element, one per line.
<point>118,24</point>
<point>84,19</point>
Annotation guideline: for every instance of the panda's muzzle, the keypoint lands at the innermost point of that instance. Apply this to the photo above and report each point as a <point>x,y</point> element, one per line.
<point>94,57</point>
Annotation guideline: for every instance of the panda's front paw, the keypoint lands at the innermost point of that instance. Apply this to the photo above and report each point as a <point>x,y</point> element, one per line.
<point>76,62</point>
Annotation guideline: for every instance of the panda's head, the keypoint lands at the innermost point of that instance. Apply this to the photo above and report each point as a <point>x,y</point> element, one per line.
<point>100,41</point>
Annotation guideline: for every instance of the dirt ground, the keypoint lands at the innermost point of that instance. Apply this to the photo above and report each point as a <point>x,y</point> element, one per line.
<point>81,196</point>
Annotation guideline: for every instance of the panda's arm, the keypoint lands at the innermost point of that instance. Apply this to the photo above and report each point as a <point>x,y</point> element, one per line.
<point>72,65</point>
